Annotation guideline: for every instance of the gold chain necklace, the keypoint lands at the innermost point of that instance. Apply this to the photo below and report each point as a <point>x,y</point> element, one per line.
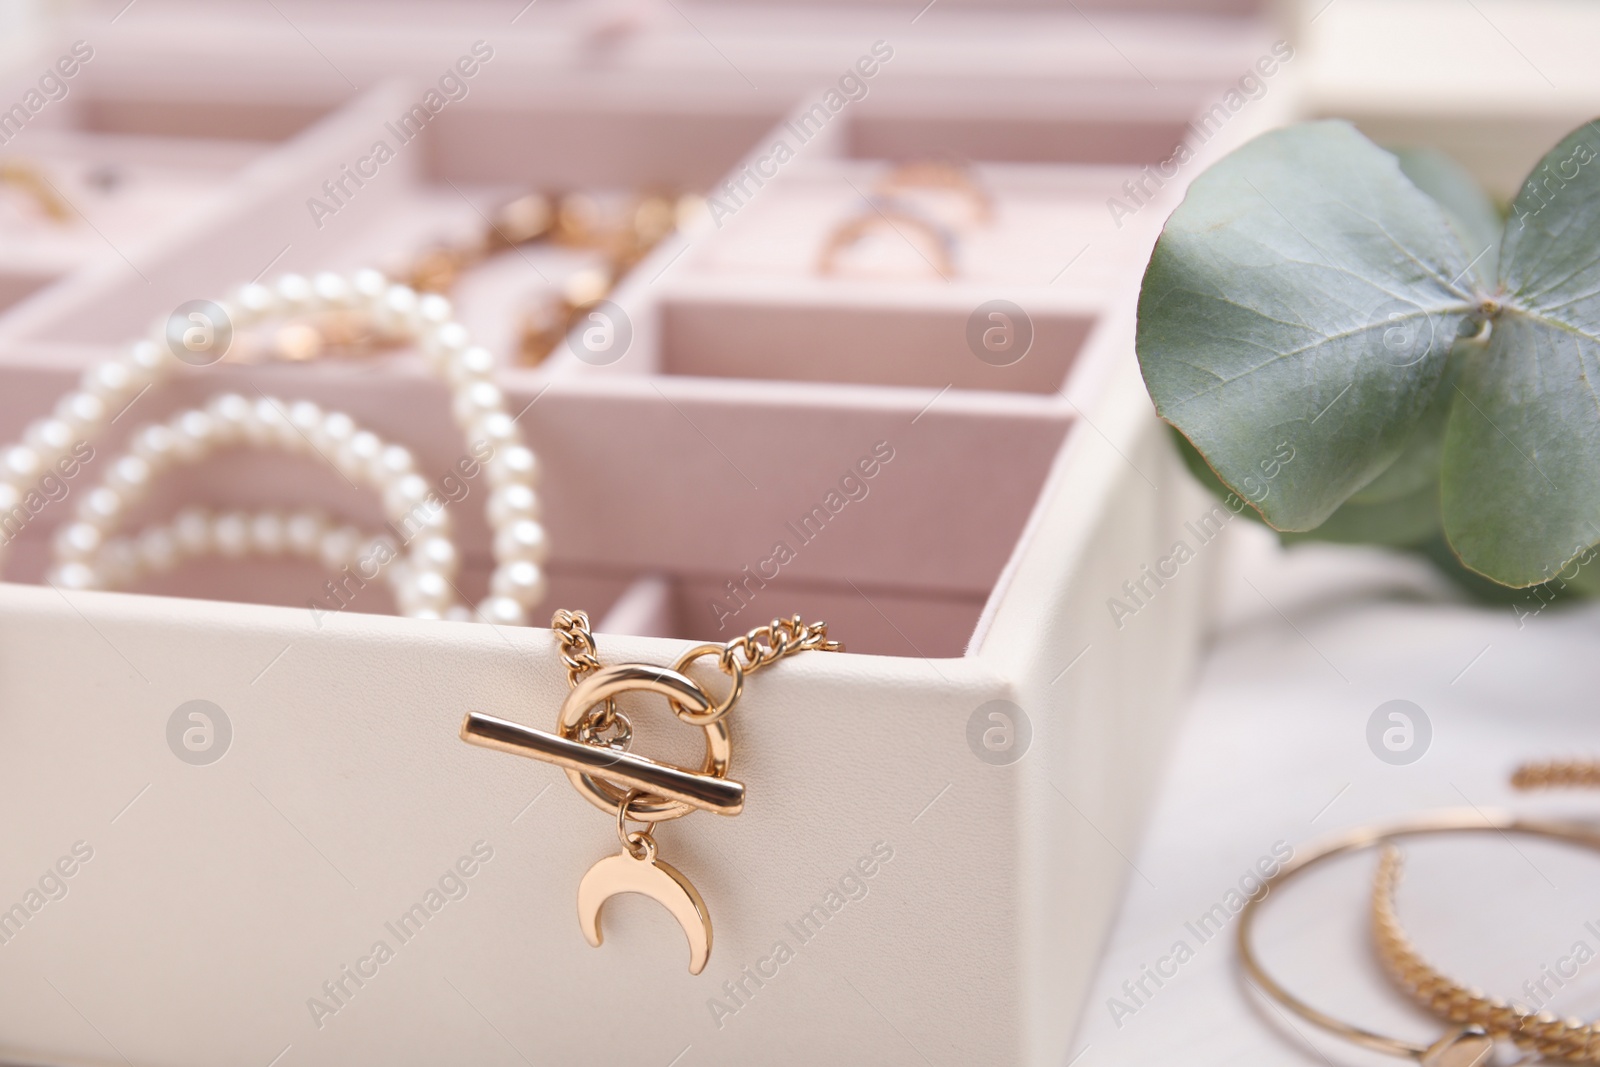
<point>591,742</point>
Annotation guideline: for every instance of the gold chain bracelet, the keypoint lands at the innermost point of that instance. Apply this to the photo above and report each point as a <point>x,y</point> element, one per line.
<point>591,744</point>
<point>1478,1020</point>
<point>1571,1040</point>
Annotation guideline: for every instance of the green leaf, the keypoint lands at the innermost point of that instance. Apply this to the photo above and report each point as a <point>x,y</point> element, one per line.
<point>1471,212</point>
<point>1417,467</point>
<point>1302,300</point>
<point>1521,470</point>
<point>1404,522</point>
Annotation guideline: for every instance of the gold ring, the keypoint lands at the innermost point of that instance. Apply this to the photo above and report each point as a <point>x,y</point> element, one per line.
<point>609,682</point>
<point>908,177</point>
<point>892,218</point>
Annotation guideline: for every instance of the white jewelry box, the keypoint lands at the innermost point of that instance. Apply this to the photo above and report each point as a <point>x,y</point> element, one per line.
<point>233,910</point>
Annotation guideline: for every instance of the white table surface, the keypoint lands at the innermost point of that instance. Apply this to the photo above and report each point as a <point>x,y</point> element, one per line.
<point>1273,748</point>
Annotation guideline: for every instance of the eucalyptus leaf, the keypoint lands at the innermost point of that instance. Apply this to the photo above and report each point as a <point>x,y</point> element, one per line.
<point>1302,301</point>
<point>1475,217</point>
<point>1417,467</point>
<point>1403,522</point>
<point>1521,468</point>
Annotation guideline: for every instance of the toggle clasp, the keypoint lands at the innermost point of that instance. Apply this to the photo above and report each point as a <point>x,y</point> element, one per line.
<point>664,791</point>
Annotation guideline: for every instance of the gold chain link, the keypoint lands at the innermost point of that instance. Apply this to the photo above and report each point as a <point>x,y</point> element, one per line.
<point>1556,774</point>
<point>779,638</point>
<point>577,644</point>
<point>760,647</point>
<point>1571,1040</point>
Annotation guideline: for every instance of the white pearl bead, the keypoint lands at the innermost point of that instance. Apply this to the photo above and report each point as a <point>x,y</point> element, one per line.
<point>338,547</point>
<point>303,533</point>
<point>459,613</point>
<point>514,464</point>
<point>512,502</point>
<point>446,343</point>
<point>103,507</point>
<point>268,534</point>
<point>21,464</point>
<point>49,438</point>
<point>432,310</point>
<point>495,428</point>
<point>522,540</point>
<point>146,362</point>
<point>331,290</point>
<point>437,553</point>
<point>355,457</point>
<point>110,382</point>
<point>502,611</point>
<point>84,412</point>
<point>294,293</point>
<point>476,400</point>
<point>401,496</point>
<point>10,497</point>
<point>425,520</point>
<point>398,310</point>
<point>473,363</point>
<point>394,461</point>
<point>158,549</point>
<point>231,534</point>
<point>522,581</point>
<point>131,476</point>
<point>78,541</point>
<point>74,575</point>
<point>269,425</point>
<point>156,444</point>
<point>330,434</point>
<point>194,435</point>
<point>369,285</point>
<point>430,591</point>
<point>231,413</point>
<point>191,529</point>
<point>306,417</point>
<point>253,303</point>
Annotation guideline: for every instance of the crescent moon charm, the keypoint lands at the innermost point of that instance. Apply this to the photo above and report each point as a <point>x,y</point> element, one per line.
<point>656,879</point>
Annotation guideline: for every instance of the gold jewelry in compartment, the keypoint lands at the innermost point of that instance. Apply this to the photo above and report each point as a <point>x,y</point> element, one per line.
<point>30,180</point>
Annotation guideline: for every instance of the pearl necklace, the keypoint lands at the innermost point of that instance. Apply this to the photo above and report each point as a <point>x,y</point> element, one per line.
<point>196,532</point>
<point>86,557</point>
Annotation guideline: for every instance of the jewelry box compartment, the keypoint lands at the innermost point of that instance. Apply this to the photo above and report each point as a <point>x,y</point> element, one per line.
<point>85,181</point>
<point>768,485</point>
<point>863,240</point>
<point>752,300</point>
